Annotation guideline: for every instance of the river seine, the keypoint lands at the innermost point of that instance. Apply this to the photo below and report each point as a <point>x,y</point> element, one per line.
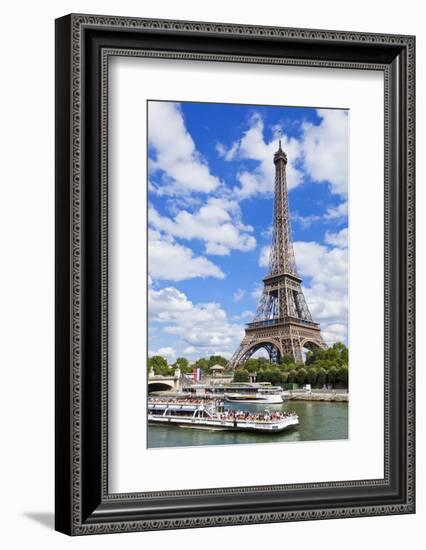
<point>318,421</point>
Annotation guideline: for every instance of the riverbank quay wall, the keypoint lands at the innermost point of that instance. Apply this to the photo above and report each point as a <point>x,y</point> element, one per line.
<point>331,397</point>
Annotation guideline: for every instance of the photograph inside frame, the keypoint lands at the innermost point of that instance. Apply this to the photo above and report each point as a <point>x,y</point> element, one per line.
<point>247,274</point>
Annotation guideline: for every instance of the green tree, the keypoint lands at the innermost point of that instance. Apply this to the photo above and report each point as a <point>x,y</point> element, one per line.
<point>261,375</point>
<point>263,362</point>
<point>158,364</point>
<point>342,351</point>
<point>310,358</point>
<point>252,366</point>
<point>336,355</point>
<point>287,359</point>
<point>342,376</point>
<point>321,363</point>
<point>321,376</point>
<point>301,375</point>
<point>217,360</point>
<point>284,377</point>
<point>292,376</point>
<point>289,367</point>
<point>331,376</point>
<point>202,363</point>
<point>241,375</point>
<point>275,376</point>
<point>312,376</point>
<point>183,364</point>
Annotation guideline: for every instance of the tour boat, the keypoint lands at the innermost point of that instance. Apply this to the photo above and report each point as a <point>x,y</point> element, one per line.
<point>216,417</point>
<point>273,395</point>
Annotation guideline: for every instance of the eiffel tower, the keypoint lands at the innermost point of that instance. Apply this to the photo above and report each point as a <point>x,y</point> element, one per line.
<point>283,324</point>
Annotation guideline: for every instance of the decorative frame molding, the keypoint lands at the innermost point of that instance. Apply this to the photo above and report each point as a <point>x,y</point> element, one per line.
<point>84,43</point>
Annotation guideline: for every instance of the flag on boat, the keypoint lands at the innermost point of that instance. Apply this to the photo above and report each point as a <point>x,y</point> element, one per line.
<point>198,374</point>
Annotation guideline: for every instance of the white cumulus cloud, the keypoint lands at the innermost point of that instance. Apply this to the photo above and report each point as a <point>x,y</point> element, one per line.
<point>253,146</point>
<point>175,154</point>
<point>338,212</point>
<point>326,291</point>
<point>239,294</point>
<point>167,352</point>
<point>264,256</point>
<point>171,261</point>
<point>339,239</point>
<point>198,329</point>
<point>325,149</point>
<point>256,293</point>
<point>217,223</point>
<point>246,314</point>
<point>167,304</point>
<point>305,221</point>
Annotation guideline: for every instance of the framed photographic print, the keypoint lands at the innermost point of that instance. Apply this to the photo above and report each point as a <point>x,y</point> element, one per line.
<point>234,274</point>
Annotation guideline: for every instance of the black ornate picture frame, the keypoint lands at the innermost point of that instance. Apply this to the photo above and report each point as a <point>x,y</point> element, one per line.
<point>84,44</point>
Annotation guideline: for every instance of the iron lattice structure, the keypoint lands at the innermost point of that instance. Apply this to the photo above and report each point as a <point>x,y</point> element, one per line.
<point>283,324</point>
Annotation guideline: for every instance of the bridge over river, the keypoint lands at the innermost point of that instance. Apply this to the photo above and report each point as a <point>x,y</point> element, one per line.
<point>157,382</point>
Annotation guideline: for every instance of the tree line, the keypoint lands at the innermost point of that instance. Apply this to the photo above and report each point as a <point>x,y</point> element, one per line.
<point>328,366</point>
<point>322,366</point>
<point>160,366</point>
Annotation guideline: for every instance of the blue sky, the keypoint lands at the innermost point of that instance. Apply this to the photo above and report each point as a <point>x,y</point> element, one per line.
<point>210,197</point>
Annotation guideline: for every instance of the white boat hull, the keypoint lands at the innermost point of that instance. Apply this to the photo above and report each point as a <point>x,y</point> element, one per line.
<point>226,424</point>
<point>274,399</point>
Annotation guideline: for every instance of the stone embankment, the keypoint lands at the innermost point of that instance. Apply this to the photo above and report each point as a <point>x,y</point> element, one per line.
<point>342,397</point>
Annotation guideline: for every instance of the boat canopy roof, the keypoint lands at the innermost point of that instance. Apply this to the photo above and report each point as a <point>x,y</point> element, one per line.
<point>174,407</point>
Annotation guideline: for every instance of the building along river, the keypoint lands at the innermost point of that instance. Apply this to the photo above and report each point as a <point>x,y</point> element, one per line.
<point>318,421</point>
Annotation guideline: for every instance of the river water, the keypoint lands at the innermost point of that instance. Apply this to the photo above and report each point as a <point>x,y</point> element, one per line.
<point>318,421</point>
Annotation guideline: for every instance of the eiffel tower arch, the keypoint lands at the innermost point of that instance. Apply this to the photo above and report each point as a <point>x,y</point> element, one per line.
<point>283,324</point>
